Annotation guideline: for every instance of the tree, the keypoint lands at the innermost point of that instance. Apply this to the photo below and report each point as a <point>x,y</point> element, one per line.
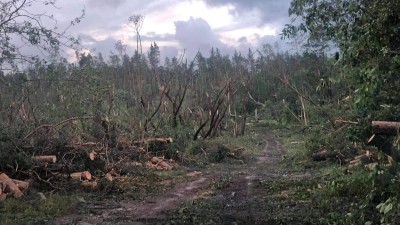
<point>137,21</point>
<point>154,56</point>
<point>366,34</point>
<point>20,27</point>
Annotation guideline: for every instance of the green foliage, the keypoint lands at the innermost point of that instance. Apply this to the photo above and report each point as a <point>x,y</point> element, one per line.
<point>19,20</point>
<point>366,34</point>
<point>198,211</point>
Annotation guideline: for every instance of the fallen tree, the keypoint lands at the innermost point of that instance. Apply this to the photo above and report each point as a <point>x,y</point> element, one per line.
<point>385,127</point>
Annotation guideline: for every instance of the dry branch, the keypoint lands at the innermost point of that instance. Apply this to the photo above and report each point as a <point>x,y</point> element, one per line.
<point>85,175</point>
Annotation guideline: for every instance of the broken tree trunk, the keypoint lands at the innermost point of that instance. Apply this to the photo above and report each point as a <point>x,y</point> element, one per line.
<point>385,127</point>
<point>10,186</point>
<point>324,155</point>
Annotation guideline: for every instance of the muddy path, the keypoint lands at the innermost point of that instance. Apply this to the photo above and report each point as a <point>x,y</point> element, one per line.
<point>245,200</point>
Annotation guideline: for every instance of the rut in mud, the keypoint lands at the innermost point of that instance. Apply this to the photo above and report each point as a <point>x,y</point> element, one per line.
<point>244,201</point>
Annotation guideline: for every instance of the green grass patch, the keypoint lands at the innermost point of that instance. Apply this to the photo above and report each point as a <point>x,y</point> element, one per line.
<point>31,210</point>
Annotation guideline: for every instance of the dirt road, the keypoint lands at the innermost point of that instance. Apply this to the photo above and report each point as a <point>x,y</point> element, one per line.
<point>249,196</point>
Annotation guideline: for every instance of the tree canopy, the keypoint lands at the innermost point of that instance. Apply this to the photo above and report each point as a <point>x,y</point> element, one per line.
<point>366,34</point>
<point>20,26</point>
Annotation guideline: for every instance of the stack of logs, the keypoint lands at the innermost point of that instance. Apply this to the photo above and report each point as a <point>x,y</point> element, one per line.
<point>158,164</point>
<point>12,187</point>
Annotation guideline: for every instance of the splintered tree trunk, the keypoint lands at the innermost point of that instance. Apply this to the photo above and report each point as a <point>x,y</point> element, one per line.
<point>386,127</point>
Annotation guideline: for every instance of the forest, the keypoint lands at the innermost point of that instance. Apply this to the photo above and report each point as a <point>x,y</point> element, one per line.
<point>99,131</point>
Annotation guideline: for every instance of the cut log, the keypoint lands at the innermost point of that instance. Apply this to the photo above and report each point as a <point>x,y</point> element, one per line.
<point>45,158</point>
<point>385,127</point>
<point>22,185</point>
<point>10,186</point>
<point>92,155</point>
<point>324,155</point>
<point>160,164</point>
<point>85,175</point>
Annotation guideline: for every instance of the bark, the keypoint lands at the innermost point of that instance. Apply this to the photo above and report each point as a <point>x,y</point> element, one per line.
<point>385,127</point>
<point>324,155</point>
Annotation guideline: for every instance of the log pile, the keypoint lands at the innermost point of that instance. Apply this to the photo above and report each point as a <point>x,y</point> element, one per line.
<point>74,166</point>
<point>158,164</point>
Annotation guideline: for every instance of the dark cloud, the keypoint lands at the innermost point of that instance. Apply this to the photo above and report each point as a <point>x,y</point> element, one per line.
<point>105,3</point>
<point>273,12</point>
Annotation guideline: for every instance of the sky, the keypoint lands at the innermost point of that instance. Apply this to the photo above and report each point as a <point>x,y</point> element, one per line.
<point>176,26</point>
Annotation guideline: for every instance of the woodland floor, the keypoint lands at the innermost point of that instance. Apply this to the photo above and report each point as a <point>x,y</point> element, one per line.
<point>261,191</point>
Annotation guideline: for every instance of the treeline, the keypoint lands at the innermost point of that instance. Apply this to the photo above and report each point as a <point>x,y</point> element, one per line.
<point>136,97</point>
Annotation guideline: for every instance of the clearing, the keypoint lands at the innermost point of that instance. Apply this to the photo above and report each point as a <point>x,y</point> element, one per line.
<point>261,191</point>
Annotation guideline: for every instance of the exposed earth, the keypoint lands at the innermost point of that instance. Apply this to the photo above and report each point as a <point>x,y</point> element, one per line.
<point>258,192</point>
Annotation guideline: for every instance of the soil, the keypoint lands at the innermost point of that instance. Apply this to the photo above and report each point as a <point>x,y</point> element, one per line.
<point>258,192</point>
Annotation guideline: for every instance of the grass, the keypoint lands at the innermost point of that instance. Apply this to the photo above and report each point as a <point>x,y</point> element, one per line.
<point>31,210</point>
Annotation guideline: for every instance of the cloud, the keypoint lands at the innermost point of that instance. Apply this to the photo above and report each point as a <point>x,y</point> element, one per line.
<point>196,34</point>
<point>168,51</point>
<point>272,12</point>
<point>105,3</point>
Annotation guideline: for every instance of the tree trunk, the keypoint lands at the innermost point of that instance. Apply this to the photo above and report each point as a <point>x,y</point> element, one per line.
<point>385,127</point>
